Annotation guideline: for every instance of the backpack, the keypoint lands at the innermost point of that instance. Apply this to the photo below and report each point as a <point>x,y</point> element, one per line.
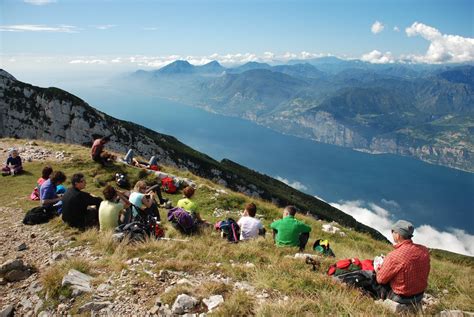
<point>229,229</point>
<point>121,180</point>
<point>182,220</point>
<point>168,185</point>
<point>362,279</point>
<point>323,249</point>
<point>39,215</point>
<point>345,266</point>
<point>135,231</point>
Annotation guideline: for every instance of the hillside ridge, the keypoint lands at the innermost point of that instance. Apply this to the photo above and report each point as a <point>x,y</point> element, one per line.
<point>25,109</point>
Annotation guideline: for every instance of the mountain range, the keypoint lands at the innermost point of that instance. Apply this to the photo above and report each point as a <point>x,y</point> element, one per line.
<point>52,114</point>
<point>423,111</point>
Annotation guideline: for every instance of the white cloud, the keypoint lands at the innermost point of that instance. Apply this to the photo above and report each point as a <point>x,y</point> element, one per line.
<point>228,60</point>
<point>89,61</point>
<point>296,185</point>
<point>38,28</point>
<point>268,55</point>
<point>150,28</point>
<point>376,57</point>
<point>396,28</point>
<point>372,215</point>
<point>105,26</point>
<point>443,48</point>
<point>377,27</point>
<point>39,2</point>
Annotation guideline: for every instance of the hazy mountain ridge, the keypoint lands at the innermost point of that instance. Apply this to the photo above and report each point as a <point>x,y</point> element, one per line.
<point>377,108</point>
<point>52,114</point>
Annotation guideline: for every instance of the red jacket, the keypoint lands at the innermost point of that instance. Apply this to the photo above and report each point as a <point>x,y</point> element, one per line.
<point>406,269</point>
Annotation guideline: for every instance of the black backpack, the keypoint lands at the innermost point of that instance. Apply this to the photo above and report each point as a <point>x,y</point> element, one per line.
<point>39,215</point>
<point>364,280</point>
<point>135,231</point>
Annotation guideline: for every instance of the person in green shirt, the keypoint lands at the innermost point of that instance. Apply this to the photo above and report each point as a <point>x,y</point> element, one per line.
<point>289,231</point>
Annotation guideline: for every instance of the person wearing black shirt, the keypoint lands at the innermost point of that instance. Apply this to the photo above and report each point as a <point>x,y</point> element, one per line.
<point>77,211</point>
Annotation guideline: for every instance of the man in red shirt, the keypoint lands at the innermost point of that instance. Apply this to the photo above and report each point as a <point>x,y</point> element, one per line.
<point>405,270</point>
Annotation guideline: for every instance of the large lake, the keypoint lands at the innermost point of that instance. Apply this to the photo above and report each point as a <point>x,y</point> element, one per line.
<point>421,192</point>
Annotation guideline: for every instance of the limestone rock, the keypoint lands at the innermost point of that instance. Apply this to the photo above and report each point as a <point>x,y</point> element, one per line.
<point>7,311</point>
<point>56,256</point>
<point>17,275</point>
<point>455,313</point>
<point>397,308</point>
<point>93,306</point>
<point>38,306</point>
<point>213,301</point>
<point>79,282</point>
<point>10,265</point>
<point>183,304</point>
<point>330,228</point>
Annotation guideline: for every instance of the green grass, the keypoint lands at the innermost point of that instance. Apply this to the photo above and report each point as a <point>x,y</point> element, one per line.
<point>306,292</point>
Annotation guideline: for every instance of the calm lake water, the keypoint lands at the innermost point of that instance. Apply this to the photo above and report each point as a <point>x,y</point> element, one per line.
<point>411,189</point>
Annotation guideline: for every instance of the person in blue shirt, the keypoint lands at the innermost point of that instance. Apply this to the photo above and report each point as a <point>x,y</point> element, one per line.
<point>48,190</point>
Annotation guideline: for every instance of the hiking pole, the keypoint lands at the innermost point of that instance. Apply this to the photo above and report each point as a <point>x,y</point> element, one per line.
<point>171,239</point>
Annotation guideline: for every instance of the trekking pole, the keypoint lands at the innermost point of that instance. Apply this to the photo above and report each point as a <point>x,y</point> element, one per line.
<point>171,239</point>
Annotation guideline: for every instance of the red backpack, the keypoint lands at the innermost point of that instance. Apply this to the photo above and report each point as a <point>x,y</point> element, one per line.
<point>168,185</point>
<point>344,266</point>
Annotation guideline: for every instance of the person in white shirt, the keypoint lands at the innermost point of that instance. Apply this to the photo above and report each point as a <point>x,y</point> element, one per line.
<point>250,227</point>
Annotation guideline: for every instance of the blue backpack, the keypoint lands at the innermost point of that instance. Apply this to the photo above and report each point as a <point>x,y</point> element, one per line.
<point>182,220</point>
<point>230,229</point>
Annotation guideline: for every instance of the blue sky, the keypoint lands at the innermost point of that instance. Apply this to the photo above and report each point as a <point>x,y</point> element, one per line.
<point>126,34</point>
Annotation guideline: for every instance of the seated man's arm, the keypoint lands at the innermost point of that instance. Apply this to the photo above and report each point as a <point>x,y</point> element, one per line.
<point>389,269</point>
<point>50,201</point>
<point>91,200</point>
<point>274,226</point>
<point>303,239</point>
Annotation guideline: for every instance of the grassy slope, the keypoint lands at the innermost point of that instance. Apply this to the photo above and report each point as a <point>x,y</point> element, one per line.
<point>308,292</point>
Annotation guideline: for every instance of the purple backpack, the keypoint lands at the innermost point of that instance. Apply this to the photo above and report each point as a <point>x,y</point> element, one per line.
<point>182,219</point>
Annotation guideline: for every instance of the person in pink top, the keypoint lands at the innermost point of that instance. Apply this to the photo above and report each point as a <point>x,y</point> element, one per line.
<point>405,270</point>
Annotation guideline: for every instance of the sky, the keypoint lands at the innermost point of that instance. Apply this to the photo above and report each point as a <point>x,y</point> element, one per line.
<point>107,35</point>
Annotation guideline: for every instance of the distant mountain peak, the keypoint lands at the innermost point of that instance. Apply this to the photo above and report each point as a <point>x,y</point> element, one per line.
<point>177,67</point>
<point>211,67</point>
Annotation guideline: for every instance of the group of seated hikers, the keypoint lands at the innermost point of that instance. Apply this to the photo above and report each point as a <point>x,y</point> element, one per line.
<point>402,276</point>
